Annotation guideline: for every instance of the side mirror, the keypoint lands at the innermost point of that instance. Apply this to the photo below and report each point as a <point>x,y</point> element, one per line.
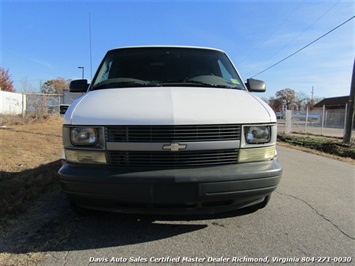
<point>255,85</point>
<point>63,108</point>
<point>79,85</point>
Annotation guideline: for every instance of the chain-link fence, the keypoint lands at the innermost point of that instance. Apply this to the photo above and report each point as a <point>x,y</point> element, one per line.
<point>325,122</point>
<point>29,103</point>
<point>43,103</point>
<point>35,104</point>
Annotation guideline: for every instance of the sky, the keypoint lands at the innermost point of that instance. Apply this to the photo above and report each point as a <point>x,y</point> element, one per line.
<point>43,40</point>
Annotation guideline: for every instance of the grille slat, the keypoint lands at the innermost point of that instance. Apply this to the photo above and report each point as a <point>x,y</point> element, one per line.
<point>173,159</point>
<point>187,133</point>
<point>169,134</point>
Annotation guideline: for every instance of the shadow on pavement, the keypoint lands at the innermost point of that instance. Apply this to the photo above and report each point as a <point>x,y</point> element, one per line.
<point>57,228</point>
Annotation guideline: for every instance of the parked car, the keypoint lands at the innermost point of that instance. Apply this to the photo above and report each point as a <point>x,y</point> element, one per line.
<point>169,130</point>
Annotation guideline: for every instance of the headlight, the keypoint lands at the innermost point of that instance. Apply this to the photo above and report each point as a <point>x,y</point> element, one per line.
<point>83,136</point>
<point>257,134</point>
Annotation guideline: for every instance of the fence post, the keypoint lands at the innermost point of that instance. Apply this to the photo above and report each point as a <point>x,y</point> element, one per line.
<point>23,105</point>
<point>288,126</point>
<point>305,127</point>
<point>58,110</point>
<point>323,118</point>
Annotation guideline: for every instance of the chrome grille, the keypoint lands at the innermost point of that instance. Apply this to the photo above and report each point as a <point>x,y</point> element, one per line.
<point>180,133</point>
<point>173,159</point>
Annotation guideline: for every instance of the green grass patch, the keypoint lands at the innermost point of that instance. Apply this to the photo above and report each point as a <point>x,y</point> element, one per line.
<point>332,146</point>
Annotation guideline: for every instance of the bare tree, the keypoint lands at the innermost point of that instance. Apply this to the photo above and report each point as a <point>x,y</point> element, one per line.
<point>301,100</point>
<point>26,85</point>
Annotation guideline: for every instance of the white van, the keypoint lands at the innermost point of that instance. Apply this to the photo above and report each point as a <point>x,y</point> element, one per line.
<point>169,130</point>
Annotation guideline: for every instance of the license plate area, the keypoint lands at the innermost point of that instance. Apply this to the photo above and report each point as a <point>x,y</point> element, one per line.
<point>175,193</point>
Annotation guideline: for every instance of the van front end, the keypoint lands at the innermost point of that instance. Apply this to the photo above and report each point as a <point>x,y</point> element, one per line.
<point>185,169</point>
<point>169,130</point>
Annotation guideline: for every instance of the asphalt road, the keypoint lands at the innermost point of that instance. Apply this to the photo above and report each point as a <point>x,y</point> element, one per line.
<point>310,217</point>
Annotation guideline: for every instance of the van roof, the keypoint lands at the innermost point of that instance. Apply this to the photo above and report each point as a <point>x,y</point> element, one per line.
<point>167,46</point>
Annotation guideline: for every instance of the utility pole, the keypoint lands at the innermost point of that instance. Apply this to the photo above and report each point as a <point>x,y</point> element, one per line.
<point>82,71</point>
<point>349,123</point>
<point>312,102</point>
<point>90,46</point>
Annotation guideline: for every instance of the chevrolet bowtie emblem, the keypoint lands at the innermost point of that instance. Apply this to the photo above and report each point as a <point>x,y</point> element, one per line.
<point>175,146</point>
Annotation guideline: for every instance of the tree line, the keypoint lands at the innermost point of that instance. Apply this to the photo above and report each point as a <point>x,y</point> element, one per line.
<point>289,99</point>
<point>52,86</point>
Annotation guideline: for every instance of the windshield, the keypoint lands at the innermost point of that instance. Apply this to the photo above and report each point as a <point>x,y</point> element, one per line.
<point>158,66</point>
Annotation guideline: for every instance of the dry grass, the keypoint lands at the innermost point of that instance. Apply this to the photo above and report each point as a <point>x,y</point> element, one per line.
<point>30,144</point>
<point>10,120</point>
<point>30,158</point>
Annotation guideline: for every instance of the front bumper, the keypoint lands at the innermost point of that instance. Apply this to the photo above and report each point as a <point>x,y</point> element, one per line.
<point>173,191</point>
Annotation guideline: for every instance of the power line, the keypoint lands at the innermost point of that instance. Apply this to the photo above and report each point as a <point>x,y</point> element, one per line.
<point>298,35</point>
<point>261,43</point>
<point>304,47</point>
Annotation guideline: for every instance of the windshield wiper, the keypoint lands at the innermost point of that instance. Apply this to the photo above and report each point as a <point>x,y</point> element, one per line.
<point>206,84</point>
<point>203,81</point>
<point>211,85</point>
<point>118,85</point>
<point>123,82</point>
<point>185,83</point>
<point>214,81</point>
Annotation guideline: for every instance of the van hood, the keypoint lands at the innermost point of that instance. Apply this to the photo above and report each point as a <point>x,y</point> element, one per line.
<point>168,106</point>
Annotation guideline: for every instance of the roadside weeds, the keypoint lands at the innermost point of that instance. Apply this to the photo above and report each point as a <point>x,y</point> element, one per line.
<point>329,147</point>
